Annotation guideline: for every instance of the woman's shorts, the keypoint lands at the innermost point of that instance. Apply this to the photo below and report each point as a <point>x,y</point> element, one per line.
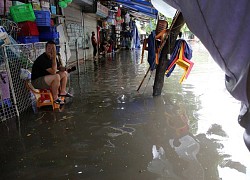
<point>40,83</point>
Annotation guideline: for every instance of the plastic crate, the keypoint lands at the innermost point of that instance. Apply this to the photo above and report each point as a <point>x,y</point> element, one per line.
<point>28,39</point>
<point>47,29</point>
<point>28,28</point>
<point>45,36</point>
<point>42,18</point>
<point>21,13</point>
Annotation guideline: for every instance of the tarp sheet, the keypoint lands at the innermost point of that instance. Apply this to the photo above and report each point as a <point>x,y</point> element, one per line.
<point>141,6</point>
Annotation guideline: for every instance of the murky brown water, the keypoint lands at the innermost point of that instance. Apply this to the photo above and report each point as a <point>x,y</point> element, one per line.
<point>109,131</point>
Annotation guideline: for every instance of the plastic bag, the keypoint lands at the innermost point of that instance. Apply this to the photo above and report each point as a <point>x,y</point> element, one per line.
<point>25,74</point>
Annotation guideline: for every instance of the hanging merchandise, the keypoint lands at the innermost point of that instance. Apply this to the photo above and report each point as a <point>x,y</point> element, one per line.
<point>105,25</point>
<point>118,14</point>
<point>68,1</point>
<point>63,4</point>
<point>127,18</point>
<point>111,18</point>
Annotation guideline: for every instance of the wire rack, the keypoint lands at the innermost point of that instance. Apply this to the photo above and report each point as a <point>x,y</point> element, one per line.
<point>14,96</point>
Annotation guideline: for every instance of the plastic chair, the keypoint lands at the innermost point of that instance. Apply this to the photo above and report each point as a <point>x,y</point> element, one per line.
<point>161,31</point>
<point>183,62</point>
<point>43,96</point>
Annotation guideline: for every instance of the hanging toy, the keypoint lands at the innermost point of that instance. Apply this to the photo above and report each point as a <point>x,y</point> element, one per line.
<point>68,1</point>
<point>62,4</point>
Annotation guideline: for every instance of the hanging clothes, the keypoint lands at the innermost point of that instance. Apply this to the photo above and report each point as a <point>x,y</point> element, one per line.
<point>151,50</point>
<point>136,41</point>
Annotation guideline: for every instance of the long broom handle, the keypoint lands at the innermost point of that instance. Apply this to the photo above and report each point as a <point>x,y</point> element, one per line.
<point>143,79</point>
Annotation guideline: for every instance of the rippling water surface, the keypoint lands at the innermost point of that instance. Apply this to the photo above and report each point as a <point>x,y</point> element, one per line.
<point>110,131</point>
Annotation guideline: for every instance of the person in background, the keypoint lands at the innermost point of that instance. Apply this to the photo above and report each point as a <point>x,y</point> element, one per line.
<point>110,48</point>
<point>94,44</point>
<point>45,73</point>
<point>104,48</point>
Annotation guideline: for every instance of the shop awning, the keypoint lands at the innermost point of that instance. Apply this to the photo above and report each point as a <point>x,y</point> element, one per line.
<point>140,6</point>
<point>88,6</point>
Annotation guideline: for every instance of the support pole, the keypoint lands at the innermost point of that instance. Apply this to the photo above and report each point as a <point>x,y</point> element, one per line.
<point>66,57</point>
<point>77,58</point>
<point>176,26</point>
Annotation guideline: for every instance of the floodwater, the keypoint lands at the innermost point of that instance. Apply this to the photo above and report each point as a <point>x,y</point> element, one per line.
<point>109,131</point>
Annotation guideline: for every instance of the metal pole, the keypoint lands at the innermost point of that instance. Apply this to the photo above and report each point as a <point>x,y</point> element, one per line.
<point>66,57</point>
<point>84,43</point>
<point>10,82</point>
<point>66,61</point>
<point>77,57</point>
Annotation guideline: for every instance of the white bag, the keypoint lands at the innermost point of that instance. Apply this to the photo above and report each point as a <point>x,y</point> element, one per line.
<point>5,38</point>
<point>25,74</point>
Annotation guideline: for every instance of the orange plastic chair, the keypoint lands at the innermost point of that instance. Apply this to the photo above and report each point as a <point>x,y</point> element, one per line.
<point>43,96</point>
<point>183,62</point>
<point>161,31</point>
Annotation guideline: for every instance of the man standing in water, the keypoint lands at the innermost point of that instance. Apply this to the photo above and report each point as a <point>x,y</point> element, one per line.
<point>94,44</point>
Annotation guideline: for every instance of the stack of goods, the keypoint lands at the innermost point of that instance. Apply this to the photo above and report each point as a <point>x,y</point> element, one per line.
<point>25,17</point>
<point>34,21</point>
<point>28,32</point>
<point>47,30</point>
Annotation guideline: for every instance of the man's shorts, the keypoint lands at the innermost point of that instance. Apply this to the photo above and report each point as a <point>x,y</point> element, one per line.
<point>40,83</point>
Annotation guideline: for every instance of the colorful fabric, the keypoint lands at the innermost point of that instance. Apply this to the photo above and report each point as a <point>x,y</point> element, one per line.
<point>187,53</point>
<point>151,50</point>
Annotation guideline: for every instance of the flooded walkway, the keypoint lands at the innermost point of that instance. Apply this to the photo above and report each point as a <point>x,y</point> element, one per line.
<point>109,131</point>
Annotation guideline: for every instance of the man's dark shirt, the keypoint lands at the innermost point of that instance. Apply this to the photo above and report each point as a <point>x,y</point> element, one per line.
<point>40,65</point>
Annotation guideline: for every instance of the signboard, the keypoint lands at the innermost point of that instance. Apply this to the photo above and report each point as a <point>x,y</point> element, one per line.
<point>102,10</point>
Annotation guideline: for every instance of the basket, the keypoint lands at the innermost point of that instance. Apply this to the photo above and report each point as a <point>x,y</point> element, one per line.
<point>42,18</point>
<point>28,39</point>
<point>46,36</point>
<point>47,29</point>
<point>28,28</point>
<point>21,13</point>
